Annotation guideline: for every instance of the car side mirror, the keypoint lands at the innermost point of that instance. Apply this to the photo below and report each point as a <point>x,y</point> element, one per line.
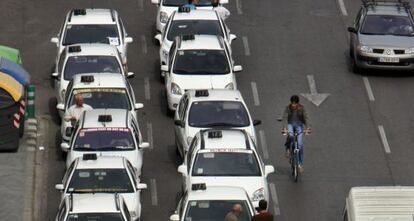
<point>130,74</point>
<point>352,30</point>
<point>182,169</point>
<point>142,186</point>
<point>139,106</point>
<point>257,122</point>
<point>269,169</point>
<point>179,123</point>
<point>59,187</point>
<point>128,40</point>
<point>54,40</point>
<point>69,131</point>
<point>164,68</point>
<point>60,107</point>
<point>158,38</point>
<point>55,75</point>
<point>155,2</point>
<point>232,37</point>
<point>175,217</point>
<point>237,68</point>
<point>144,145</point>
<point>65,146</point>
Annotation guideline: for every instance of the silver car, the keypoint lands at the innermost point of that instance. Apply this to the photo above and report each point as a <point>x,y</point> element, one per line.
<point>382,36</point>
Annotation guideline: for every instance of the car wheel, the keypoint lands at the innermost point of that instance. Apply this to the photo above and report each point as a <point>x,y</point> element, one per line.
<point>355,68</point>
<point>351,52</point>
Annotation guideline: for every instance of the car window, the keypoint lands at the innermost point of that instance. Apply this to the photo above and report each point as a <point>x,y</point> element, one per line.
<point>69,89</point>
<point>132,171</point>
<point>6,100</point>
<point>358,18</point>
<point>183,2</point>
<point>122,28</point>
<point>201,62</point>
<point>387,25</point>
<point>61,61</point>
<point>181,106</point>
<point>100,181</point>
<point>171,54</point>
<point>68,172</point>
<point>104,139</point>
<point>136,131</point>
<point>215,210</point>
<point>91,64</point>
<point>194,27</point>
<point>226,163</point>
<point>218,114</point>
<point>107,34</point>
<point>190,154</point>
<point>103,98</point>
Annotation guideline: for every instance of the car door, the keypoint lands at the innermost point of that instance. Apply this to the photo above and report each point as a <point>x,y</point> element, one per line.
<point>59,78</point>
<point>357,22</point>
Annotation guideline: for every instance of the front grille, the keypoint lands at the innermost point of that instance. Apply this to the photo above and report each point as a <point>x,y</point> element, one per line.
<point>399,51</point>
<point>378,51</point>
<point>388,64</point>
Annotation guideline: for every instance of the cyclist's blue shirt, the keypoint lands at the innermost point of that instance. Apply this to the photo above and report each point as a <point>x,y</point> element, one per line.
<point>191,6</point>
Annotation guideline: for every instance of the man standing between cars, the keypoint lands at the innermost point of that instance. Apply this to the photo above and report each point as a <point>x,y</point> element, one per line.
<point>191,4</point>
<point>234,214</point>
<point>296,118</point>
<point>75,111</point>
<point>222,11</point>
<point>263,214</point>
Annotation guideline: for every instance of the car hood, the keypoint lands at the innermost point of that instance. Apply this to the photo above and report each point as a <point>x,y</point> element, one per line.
<point>187,82</point>
<point>387,41</point>
<point>192,131</point>
<point>250,184</point>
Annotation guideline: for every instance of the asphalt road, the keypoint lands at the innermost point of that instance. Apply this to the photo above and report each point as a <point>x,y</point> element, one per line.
<point>279,44</point>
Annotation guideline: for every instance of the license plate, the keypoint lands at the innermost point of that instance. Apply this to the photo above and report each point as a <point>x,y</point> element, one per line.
<point>389,60</point>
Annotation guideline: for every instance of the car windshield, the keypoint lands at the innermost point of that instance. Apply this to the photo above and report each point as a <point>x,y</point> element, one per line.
<point>387,25</point>
<point>218,114</point>
<point>90,64</point>
<point>95,217</point>
<point>215,210</point>
<point>183,2</point>
<point>232,163</point>
<point>100,181</point>
<point>107,34</point>
<point>104,139</point>
<point>201,62</point>
<point>103,98</point>
<point>194,27</point>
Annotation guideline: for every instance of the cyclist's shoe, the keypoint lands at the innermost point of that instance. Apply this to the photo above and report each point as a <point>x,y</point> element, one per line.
<point>301,170</point>
<point>287,153</point>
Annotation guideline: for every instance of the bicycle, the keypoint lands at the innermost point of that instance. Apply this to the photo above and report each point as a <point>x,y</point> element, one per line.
<point>294,152</point>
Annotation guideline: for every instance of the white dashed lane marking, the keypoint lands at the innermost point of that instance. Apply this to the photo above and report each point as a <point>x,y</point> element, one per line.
<point>256,99</point>
<point>147,88</point>
<point>343,8</point>
<point>153,190</point>
<point>141,5</point>
<point>384,139</point>
<point>149,135</point>
<point>144,44</point>
<point>246,46</point>
<point>239,7</point>
<point>369,89</point>
<point>263,144</point>
<point>273,194</point>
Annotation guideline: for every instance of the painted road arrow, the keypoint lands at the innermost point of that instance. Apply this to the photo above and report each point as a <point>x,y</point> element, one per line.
<point>314,96</point>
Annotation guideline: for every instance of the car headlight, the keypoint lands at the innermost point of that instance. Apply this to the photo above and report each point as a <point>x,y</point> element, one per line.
<point>409,51</point>
<point>62,94</point>
<point>230,86</point>
<point>365,49</point>
<point>175,89</point>
<point>258,195</point>
<point>163,17</point>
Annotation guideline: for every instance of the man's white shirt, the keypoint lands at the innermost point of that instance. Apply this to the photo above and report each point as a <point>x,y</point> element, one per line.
<point>76,111</point>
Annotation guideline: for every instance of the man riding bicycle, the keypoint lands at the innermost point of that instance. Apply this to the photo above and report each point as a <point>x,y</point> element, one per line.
<point>296,119</point>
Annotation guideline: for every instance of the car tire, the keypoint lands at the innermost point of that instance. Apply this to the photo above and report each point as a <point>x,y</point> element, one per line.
<point>351,52</point>
<point>355,68</point>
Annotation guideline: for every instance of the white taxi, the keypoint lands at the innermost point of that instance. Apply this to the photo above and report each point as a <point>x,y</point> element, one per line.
<point>85,58</point>
<point>107,132</point>
<point>167,7</point>
<point>99,90</point>
<point>104,174</point>
<point>78,207</point>
<point>93,25</point>
<point>212,203</point>
<point>198,62</point>
<point>195,22</point>
<point>218,108</point>
<point>226,157</point>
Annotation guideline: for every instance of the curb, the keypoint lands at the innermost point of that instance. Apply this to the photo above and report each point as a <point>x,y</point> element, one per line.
<point>31,132</point>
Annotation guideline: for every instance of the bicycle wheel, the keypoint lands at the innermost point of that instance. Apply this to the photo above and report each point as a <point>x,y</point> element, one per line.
<point>295,165</point>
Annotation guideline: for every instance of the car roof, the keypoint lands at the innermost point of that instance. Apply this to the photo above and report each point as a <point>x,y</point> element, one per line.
<point>208,42</point>
<point>216,95</point>
<point>218,193</point>
<point>384,8</point>
<point>381,203</point>
<point>102,202</point>
<point>120,118</point>
<point>199,14</point>
<point>93,16</point>
<point>101,80</point>
<point>231,139</point>
<point>93,49</point>
<point>102,162</point>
